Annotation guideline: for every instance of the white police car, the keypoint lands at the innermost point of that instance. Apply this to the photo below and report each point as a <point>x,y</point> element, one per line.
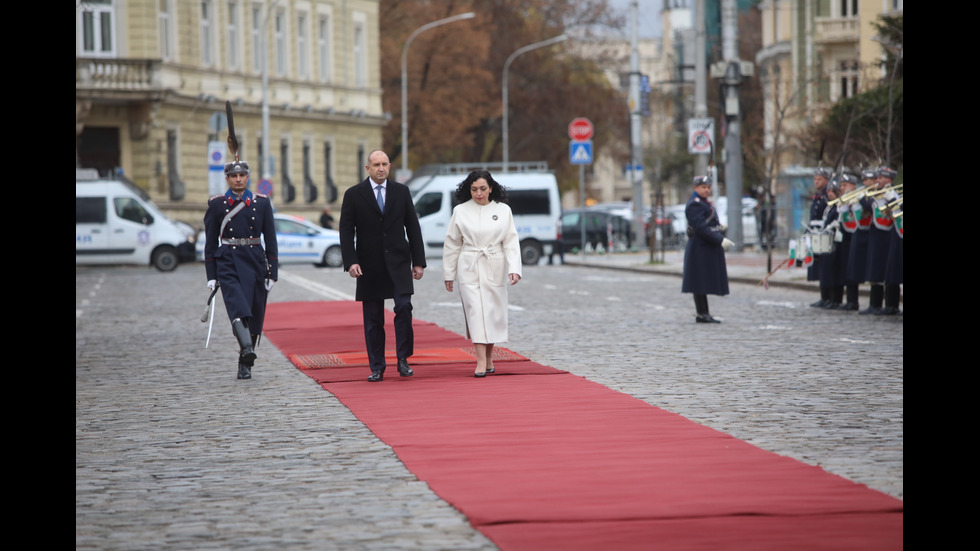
<point>300,242</point>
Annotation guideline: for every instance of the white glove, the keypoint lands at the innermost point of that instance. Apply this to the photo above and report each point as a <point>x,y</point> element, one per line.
<point>268,284</point>
<point>212,283</point>
<point>723,227</point>
<point>727,243</point>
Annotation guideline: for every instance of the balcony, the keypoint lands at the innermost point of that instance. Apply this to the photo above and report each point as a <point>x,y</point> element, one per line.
<point>120,79</point>
<point>837,30</point>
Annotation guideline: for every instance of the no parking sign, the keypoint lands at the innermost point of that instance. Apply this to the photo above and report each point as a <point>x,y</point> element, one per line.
<point>700,135</point>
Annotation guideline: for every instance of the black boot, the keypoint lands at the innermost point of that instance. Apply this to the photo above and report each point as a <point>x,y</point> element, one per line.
<point>701,307</point>
<point>824,301</point>
<point>876,299</point>
<point>836,297</point>
<point>892,294</point>
<point>852,297</point>
<point>247,353</point>
<point>244,371</point>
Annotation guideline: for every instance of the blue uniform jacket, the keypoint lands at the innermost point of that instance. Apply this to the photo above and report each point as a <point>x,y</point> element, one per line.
<point>241,270</point>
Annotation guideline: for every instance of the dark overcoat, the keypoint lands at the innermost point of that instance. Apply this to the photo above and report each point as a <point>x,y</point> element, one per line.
<point>241,270</point>
<point>705,272</point>
<point>386,245</point>
<point>831,272</point>
<point>879,242</point>
<point>817,208</point>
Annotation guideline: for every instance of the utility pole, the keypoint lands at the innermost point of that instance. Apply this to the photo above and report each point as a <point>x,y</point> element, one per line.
<point>700,84</point>
<point>731,72</point>
<point>636,146</point>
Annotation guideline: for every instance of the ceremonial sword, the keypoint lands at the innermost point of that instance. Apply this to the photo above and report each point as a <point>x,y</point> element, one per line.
<point>209,314</point>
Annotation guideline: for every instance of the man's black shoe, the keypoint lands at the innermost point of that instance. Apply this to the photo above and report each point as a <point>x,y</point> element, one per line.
<point>705,318</point>
<point>376,376</point>
<point>819,304</point>
<point>869,310</point>
<point>404,370</point>
<point>848,306</point>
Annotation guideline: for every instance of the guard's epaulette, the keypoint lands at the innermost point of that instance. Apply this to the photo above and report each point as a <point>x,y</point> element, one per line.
<point>260,195</point>
<point>697,199</point>
<point>213,197</point>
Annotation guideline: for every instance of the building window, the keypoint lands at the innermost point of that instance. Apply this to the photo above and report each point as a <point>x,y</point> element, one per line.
<point>848,79</point>
<point>360,55</point>
<point>361,161</point>
<point>207,33</point>
<point>96,21</point>
<point>234,55</point>
<point>302,47</point>
<point>324,51</point>
<point>165,29</point>
<point>280,41</point>
<point>257,38</point>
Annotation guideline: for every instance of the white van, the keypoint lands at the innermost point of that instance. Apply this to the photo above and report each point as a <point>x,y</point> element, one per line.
<point>532,192</point>
<point>115,223</point>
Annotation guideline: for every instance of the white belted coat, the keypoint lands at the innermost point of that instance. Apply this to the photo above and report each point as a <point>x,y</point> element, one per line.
<point>481,248</point>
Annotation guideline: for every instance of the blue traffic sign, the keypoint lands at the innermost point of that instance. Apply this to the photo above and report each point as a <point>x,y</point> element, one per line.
<point>580,153</point>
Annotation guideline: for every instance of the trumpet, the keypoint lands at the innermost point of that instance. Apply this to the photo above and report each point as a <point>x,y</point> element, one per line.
<point>849,197</point>
<point>886,189</point>
<point>895,203</point>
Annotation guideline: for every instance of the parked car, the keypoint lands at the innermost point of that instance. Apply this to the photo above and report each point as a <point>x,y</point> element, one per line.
<point>116,223</point>
<point>300,242</point>
<point>601,228</point>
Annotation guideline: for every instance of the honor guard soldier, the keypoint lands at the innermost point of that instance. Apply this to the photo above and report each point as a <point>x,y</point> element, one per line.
<point>894,269</point>
<point>705,270</point>
<point>236,225</point>
<point>821,176</point>
<point>849,212</point>
<point>857,259</point>
<point>879,243</point>
<point>831,278</point>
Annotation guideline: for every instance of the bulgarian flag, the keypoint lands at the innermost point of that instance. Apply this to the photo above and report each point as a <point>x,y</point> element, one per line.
<point>792,252</point>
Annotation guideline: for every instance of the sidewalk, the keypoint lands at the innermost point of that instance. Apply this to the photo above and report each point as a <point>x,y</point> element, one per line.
<point>743,267</point>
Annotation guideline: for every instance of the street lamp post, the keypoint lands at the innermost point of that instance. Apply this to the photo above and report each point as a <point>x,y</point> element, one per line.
<point>418,31</point>
<point>507,63</point>
<point>263,44</point>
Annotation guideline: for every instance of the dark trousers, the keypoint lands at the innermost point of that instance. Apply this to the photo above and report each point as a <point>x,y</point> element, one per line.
<point>374,330</point>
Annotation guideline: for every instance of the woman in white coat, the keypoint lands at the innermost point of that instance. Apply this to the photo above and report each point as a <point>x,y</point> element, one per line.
<point>483,255</point>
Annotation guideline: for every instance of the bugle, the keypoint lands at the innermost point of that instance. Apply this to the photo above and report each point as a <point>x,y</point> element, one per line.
<point>896,188</point>
<point>849,197</point>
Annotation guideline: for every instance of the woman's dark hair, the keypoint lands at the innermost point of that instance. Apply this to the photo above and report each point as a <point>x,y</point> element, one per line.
<point>497,192</point>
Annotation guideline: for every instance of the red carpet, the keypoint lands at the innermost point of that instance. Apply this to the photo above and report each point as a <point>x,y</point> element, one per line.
<point>539,459</point>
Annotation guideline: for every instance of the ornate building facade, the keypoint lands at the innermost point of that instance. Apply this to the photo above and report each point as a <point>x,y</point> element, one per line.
<point>152,78</point>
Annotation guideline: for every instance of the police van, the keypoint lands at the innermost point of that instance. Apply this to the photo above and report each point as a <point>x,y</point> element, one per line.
<point>532,192</point>
<point>115,223</point>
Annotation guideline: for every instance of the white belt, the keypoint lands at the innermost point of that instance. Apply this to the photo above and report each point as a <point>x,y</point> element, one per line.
<point>484,251</point>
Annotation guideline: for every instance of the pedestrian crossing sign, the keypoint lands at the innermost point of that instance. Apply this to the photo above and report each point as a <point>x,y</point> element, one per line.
<point>580,153</point>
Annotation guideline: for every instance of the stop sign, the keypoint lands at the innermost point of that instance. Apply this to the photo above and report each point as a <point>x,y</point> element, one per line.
<point>580,129</point>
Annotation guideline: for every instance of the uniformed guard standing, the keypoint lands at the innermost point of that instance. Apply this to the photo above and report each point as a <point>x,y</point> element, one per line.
<point>857,259</point>
<point>879,242</point>
<point>831,278</point>
<point>705,271</point>
<point>236,224</point>
<point>848,224</point>
<point>894,266</point>
<point>821,176</point>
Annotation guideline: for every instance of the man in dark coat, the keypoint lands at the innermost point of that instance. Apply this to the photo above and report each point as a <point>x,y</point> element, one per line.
<point>705,271</point>
<point>376,217</point>
<point>235,226</point>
